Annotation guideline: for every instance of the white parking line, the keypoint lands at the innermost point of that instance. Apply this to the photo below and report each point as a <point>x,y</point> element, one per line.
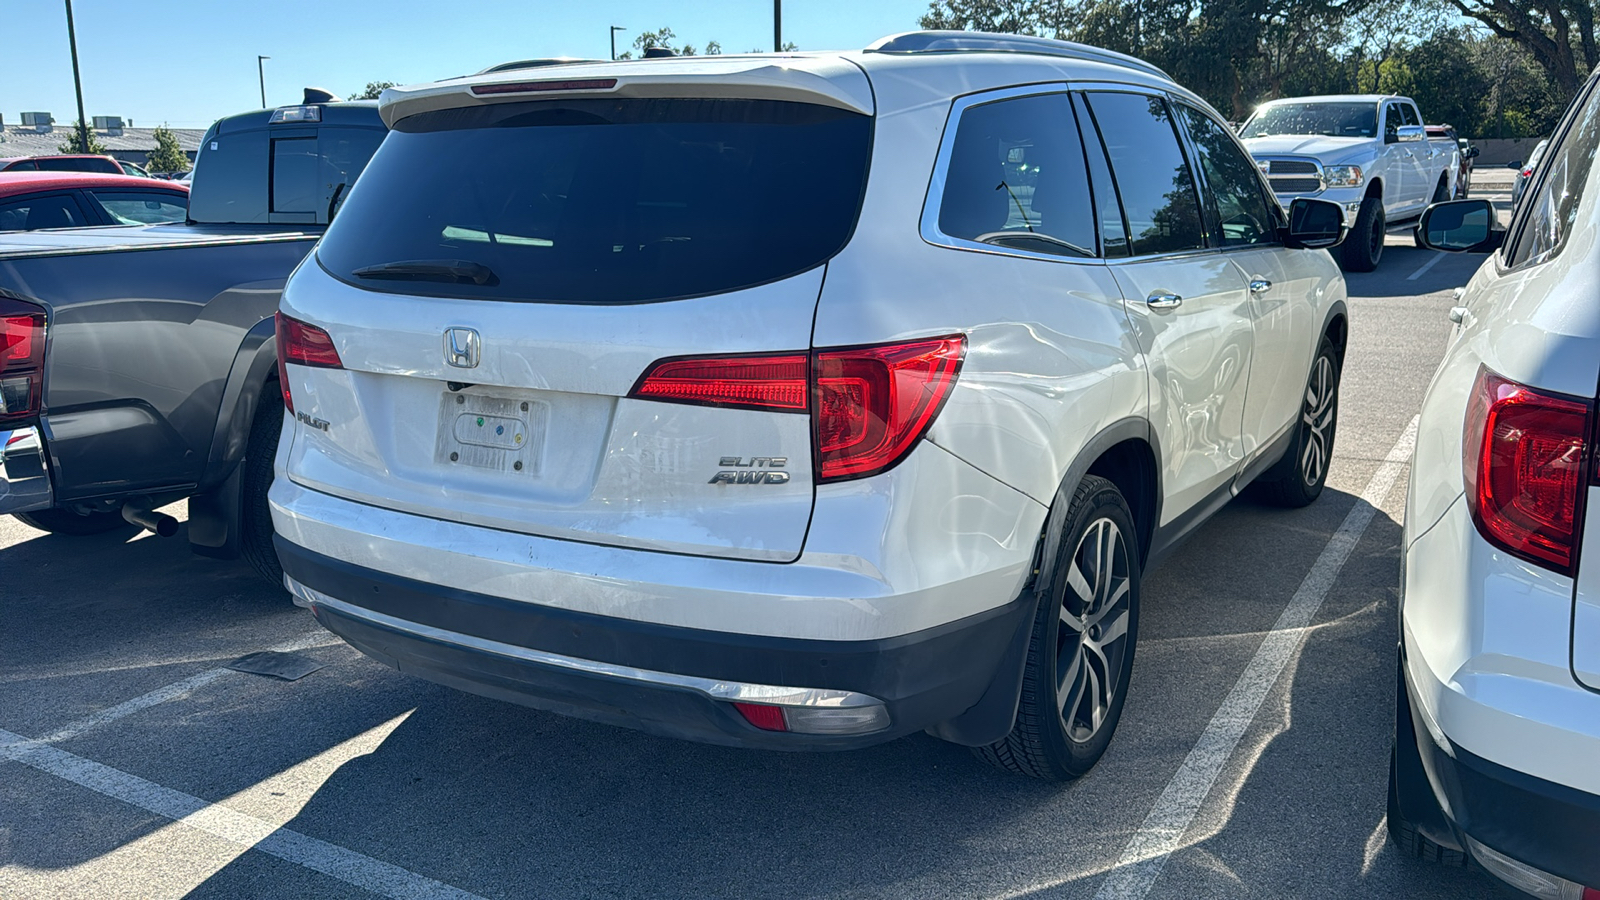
<point>1423,270</point>
<point>240,829</point>
<point>1147,851</point>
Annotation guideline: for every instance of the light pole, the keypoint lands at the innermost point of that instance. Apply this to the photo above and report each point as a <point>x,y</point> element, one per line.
<point>777,26</point>
<point>261,73</point>
<point>614,30</point>
<point>77,84</point>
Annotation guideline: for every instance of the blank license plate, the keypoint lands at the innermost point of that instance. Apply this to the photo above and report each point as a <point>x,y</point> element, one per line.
<point>503,434</point>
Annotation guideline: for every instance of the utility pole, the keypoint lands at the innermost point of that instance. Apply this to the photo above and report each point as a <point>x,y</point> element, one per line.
<point>777,26</point>
<point>77,84</point>
<point>261,73</point>
<point>614,30</point>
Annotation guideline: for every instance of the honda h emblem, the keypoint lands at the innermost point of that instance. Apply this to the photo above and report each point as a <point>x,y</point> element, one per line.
<point>461,348</point>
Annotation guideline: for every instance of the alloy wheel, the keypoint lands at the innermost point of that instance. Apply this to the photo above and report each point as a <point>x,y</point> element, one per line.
<point>1093,633</point>
<point>1316,421</point>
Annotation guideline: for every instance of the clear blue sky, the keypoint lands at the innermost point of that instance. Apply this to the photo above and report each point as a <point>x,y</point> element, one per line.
<point>188,62</point>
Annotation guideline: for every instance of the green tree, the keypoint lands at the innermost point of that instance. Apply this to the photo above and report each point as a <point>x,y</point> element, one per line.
<point>1558,34</point>
<point>662,38</point>
<point>374,88</point>
<point>168,156</point>
<point>76,140</point>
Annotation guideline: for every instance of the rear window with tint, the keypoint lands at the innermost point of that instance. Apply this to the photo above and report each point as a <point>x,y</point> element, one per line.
<point>602,200</point>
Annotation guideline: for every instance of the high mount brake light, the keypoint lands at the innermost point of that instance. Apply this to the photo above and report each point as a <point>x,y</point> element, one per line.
<point>21,361</point>
<point>529,87</point>
<point>303,344</point>
<point>1524,456</point>
<point>869,405</point>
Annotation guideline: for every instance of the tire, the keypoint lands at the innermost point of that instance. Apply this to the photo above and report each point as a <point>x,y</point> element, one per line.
<point>1297,479</point>
<point>65,521</point>
<point>1411,843</point>
<point>1363,246</point>
<point>1070,707</point>
<point>1441,191</point>
<point>254,515</point>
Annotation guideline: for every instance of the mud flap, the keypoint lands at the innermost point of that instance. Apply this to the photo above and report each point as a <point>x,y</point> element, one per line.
<point>992,717</point>
<point>216,523</point>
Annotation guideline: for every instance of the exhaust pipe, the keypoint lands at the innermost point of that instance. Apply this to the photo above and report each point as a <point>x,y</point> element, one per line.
<point>140,514</point>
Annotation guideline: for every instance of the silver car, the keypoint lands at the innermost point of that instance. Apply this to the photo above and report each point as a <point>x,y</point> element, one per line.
<point>800,402</point>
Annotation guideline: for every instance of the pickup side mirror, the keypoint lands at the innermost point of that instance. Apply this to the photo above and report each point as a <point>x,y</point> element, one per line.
<point>1460,226</point>
<point>1409,134</point>
<point>1471,153</point>
<point>1514,164</point>
<point>1314,224</point>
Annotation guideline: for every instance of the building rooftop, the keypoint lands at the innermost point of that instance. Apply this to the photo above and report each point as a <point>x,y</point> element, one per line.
<point>25,140</point>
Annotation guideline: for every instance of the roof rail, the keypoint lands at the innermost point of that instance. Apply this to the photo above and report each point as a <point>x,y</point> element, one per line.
<point>987,42</point>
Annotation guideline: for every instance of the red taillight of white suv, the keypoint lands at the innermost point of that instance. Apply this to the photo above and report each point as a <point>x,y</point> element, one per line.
<point>869,405</point>
<point>305,344</point>
<point>1523,458</point>
<point>21,361</point>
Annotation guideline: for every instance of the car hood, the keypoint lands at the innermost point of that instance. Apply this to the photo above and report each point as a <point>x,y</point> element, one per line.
<point>1319,145</point>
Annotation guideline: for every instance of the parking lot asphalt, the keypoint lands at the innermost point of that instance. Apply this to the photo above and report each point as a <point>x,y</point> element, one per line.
<point>1251,760</point>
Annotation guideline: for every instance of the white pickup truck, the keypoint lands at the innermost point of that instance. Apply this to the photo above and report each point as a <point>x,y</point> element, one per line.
<point>1370,153</point>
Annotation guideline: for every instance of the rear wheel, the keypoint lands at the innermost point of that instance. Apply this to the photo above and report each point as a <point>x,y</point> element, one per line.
<point>1081,651</point>
<point>65,521</point>
<point>1363,246</point>
<point>254,514</point>
<point>1298,478</point>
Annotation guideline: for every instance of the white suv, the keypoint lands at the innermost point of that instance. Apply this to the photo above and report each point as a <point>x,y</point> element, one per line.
<point>798,401</point>
<point>1497,744</point>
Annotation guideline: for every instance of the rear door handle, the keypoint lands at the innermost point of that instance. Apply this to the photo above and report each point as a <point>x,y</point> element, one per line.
<point>1457,314</point>
<point>1163,300</point>
<point>1260,286</point>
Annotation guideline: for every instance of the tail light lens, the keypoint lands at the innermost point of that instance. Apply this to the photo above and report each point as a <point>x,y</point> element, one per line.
<point>869,405</point>
<point>874,403</point>
<point>1523,459</point>
<point>21,361</point>
<point>304,344</point>
<point>775,383</point>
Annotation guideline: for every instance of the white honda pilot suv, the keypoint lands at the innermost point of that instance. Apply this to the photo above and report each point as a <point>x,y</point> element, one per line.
<point>798,401</point>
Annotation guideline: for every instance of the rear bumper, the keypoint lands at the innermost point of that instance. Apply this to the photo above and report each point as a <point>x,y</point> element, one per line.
<point>664,679</point>
<point>24,478</point>
<point>1549,826</point>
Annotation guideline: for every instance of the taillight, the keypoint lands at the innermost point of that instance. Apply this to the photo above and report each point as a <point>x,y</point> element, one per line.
<point>775,383</point>
<point>304,344</point>
<point>21,360</point>
<point>1523,460</point>
<point>874,403</point>
<point>869,405</point>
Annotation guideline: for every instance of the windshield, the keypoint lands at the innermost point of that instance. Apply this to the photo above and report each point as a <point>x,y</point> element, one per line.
<point>602,200</point>
<point>1334,119</point>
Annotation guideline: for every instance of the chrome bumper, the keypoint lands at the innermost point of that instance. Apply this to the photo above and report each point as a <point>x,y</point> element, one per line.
<point>24,479</point>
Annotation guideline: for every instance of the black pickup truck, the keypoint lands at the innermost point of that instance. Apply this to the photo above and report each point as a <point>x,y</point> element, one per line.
<point>138,364</point>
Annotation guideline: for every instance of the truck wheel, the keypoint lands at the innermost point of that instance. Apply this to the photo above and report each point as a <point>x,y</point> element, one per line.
<point>1297,479</point>
<point>65,521</point>
<point>1441,191</point>
<point>1363,247</point>
<point>254,514</point>
<point>1081,650</point>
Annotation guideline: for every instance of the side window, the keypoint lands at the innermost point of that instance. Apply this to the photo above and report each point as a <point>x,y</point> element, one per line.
<point>143,207</point>
<point>229,184</point>
<point>1552,206</point>
<point>1153,178</point>
<point>1409,112</point>
<point>37,213</point>
<point>294,175</point>
<point>1233,187</point>
<point>29,166</point>
<point>1108,207</point>
<point>1017,178</point>
<point>1392,121</point>
<point>344,153</point>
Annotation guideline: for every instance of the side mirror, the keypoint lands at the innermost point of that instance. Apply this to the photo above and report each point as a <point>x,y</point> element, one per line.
<point>1409,134</point>
<point>1472,153</point>
<point>1314,224</point>
<point>1460,226</point>
<point>1514,164</point>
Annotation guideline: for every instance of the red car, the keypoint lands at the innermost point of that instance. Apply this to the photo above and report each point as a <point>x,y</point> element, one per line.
<point>31,201</point>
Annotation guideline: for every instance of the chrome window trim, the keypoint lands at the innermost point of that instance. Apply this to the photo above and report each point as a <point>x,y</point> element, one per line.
<point>716,689</point>
<point>929,225</point>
